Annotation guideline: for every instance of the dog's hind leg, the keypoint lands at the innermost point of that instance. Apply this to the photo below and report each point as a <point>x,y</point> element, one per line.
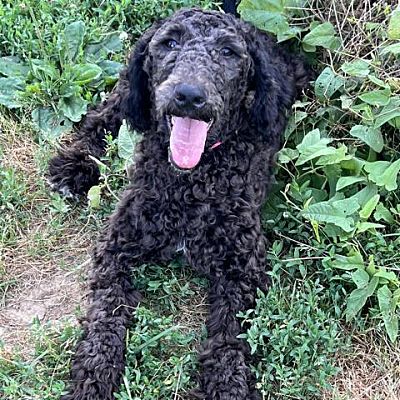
<point>72,172</point>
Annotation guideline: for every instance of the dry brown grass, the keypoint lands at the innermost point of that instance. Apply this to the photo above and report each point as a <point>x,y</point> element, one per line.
<point>41,269</point>
<point>17,143</point>
<point>45,284</point>
<point>370,371</point>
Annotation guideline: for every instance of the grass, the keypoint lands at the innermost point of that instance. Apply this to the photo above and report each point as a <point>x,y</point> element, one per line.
<point>369,370</point>
<point>43,376</point>
<point>304,347</point>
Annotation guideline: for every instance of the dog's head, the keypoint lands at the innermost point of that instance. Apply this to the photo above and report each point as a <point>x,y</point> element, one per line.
<point>201,75</point>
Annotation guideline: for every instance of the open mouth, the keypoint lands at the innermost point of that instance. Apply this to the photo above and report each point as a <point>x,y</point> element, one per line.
<point>187,141</point>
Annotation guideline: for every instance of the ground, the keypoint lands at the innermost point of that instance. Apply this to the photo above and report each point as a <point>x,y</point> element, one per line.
<point>37,280</point>
<point>344,129</point>
<point>44,269</point>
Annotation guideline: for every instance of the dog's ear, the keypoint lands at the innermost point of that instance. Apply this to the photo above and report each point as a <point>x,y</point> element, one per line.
<point>137,105</point>
<point>277,78</point>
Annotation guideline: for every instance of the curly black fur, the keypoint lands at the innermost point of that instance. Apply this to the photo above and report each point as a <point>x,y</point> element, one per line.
<point>213,211</point>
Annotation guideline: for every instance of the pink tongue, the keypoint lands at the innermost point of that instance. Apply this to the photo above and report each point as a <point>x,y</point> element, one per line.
<point>187,141</point>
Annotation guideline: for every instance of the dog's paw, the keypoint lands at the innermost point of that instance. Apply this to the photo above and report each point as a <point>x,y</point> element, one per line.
<point>64,190</point>
<point>72,174</point>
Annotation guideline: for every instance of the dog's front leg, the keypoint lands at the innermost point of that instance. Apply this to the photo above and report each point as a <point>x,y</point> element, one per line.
<point>130,238</point>
<point>72,172</point>
<point>99,359</point>
<point>235,261</point>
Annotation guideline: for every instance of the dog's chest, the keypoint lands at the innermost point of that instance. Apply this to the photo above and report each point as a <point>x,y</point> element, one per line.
<point>181,248</point>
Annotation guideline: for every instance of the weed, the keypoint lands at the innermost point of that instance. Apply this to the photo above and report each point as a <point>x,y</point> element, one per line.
<point>341,173</point>
<point>68,63</point>
<point>295,337</point>
<point>160,358</point>
<point>12,201</point>
<point>46,372</point>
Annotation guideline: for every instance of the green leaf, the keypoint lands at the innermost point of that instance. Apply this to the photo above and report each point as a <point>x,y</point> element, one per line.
<point>267,15</point>
<point>389,275</point>
<point>347,181</point>
<point>347,101</point>
<point>369,207</point>
<point>378,82</point>
<point>294,120</point>
<point>323,35</point>
<point>358,298</point>
<point>371,268</point>
<point>396,297</point>
<point>98,51</point>
<point>286,155</point>
<point>273,22</point>
<point>372,26</point>
<point>327,84</point>
<point>391,49</point>
<point>369,135</point>
<point>73,107</point>
<point>394,25</point>
<point>395,122</point>
<point>334,157</point>
<point>94,197</point>
<point>313,146</point>
<point>364,195</point>
<point>376,169</point>
<point>353,261</point>
<point>335,212</point>
<point>376,97</point>
<point>110,68</point>
<point>368,226</point>
<point>383,173</point>
<point>83,74</point>
<point>387,306</point>
<point>365,110</point>
<point>73,39</point>
<point>292,32</point>
<point>10,90</point>
<point>359,68</point>
<point>309,49</point>
<point>389,112</point>
<point>70,89</point>
<point>51,125</point>
<point>354,164</point>
<point>267,5</point>
<point>13,67</point>
<point>127,141</point>
<point>44,70</point>
<point>360,277</point>
<point>382,213</point>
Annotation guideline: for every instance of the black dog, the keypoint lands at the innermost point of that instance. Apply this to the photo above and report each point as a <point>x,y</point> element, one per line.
<point>211,95</point>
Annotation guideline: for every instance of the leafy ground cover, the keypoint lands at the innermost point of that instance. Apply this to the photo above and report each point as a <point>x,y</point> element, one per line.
<point>328,327</point>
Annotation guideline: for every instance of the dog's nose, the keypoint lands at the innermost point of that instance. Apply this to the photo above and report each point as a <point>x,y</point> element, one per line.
<point>189,96</point>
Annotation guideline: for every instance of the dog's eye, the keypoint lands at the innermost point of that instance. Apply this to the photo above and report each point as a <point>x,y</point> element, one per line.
<point>227,52</point>
<point>171,43</point>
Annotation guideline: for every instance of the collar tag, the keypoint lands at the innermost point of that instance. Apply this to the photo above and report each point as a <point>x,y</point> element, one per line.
<point>215,145</point>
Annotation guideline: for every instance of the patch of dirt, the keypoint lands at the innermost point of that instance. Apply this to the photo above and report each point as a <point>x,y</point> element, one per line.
<point>50,299</point>
<point>46,280</point>
<point>41,270</point>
